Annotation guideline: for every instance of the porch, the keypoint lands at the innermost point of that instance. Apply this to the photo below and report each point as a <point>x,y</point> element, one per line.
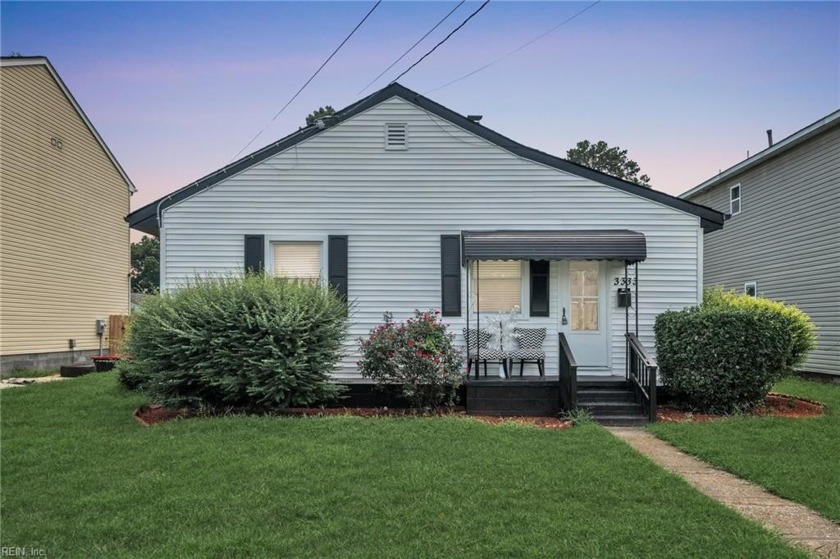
<point>612,397</point>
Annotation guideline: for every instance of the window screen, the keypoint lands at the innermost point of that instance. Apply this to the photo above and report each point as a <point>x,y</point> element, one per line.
<point>298,260</point>
<point>499,286</point>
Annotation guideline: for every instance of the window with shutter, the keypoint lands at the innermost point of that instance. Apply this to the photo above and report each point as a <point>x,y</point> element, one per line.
<point>298,261</point>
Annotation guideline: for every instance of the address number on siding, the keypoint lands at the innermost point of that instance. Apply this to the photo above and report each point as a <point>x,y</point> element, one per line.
<point>624,281</point>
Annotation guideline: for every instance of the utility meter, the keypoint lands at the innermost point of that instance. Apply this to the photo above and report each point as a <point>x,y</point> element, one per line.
<point>100,327</point>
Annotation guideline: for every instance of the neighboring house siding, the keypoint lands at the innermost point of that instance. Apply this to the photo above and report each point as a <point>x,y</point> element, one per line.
<point>395,205</point>
<point>787,237</point>
<point>63,239</point>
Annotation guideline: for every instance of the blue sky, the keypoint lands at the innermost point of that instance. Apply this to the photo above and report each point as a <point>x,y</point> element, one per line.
<point>177,89</point>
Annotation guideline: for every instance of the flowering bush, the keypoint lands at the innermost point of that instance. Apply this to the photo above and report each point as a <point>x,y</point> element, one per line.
<point>418,355</point>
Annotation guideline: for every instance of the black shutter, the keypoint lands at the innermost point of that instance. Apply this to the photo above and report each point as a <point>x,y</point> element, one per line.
<point>254,253</point>
<point>539,288</point>
<point>337,263</point>
<point>450,275</point>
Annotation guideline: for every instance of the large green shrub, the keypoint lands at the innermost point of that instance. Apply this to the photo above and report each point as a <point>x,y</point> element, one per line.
<point>255,342</point>
<point>419,356</point>
<point>798,324</point>
<point>719,359</point>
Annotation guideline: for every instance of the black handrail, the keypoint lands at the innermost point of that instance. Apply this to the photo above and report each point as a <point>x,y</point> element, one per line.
<point>641,372</point>
<point>568,375</point>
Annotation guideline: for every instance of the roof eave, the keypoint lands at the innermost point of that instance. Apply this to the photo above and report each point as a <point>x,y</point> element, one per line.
<point>776,149</point>
<point>711,220</point>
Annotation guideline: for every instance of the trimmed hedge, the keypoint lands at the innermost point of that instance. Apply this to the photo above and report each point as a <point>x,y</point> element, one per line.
<point>802,331</point>
<point>253,342</point>
<point>721,360</point>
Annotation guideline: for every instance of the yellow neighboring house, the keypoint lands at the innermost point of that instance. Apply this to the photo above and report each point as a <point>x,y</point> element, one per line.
<point>64,243</point>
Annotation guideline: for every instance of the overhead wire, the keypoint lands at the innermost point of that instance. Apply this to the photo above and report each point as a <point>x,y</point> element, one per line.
<point>516,50</point>
<point>434,48</point>
<point>312,77</point>
<point>403,55</point>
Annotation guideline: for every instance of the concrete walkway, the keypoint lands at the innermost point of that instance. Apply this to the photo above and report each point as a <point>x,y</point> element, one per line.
<point>797,524</point>
<point>13,382</point>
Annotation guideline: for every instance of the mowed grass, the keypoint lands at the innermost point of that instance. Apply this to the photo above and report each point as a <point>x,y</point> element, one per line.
<point>795,458</point>
<point>80,478</point>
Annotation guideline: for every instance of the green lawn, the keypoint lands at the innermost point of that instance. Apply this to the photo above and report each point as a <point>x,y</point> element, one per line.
<point>81,479</point>
<point>796,458</point>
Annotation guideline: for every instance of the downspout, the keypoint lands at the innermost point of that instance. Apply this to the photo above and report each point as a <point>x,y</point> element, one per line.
<point>159,218</point>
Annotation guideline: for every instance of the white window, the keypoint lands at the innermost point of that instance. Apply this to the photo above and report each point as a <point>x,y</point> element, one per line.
<point>298,261</point>
<point>396,136</point>
<point>585,281</point>
<point>751,289</point>
<point>735,200</point>
<point>498,285</point>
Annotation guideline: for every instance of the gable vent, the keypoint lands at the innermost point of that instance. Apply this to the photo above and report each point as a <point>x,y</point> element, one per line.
<point>396,136</point>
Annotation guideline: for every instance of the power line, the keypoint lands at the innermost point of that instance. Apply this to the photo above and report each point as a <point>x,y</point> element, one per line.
<point>312,77</point>
<point>429,32</point>
<point>463,23</point>
<point>529,43</point>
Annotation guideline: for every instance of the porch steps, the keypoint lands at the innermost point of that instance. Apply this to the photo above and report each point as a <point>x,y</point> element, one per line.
<point>611,402</point>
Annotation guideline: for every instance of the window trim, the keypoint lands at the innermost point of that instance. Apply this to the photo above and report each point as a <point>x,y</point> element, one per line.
<point>322,242</point>
<point>754,287</point>
<point>738,199</point>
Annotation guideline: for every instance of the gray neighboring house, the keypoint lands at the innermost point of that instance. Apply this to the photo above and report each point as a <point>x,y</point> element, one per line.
<point>782,240</point>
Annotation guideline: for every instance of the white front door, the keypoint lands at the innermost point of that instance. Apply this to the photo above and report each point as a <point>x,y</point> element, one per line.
<point>583,313</point>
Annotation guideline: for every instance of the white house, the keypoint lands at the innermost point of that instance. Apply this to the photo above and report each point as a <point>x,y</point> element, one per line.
<point>391,197</point>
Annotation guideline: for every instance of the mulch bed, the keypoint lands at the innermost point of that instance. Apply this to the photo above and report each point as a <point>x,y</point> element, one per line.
<point>152,414</point>
<point>776,405</point>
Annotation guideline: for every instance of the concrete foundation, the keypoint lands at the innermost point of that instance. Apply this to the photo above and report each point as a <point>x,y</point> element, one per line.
<point>43,361</point>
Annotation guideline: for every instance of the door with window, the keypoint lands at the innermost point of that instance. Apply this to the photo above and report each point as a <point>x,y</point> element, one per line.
<point>583,313</point>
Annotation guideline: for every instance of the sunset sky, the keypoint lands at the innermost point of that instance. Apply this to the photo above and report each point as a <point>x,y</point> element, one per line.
<point>177,89</point>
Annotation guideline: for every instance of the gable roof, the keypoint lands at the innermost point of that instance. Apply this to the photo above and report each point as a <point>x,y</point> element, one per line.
<point>10,61</point>
<point>778,148</point>
<point>146,218</point>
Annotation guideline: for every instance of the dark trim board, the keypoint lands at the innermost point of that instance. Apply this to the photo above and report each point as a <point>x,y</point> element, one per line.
<point>827,378</point>
<point>145,219</point>
<point>365,394</point>
<point>514,397</point>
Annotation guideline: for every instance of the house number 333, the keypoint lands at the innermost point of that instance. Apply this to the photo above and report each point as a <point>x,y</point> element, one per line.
<point>624,281</point>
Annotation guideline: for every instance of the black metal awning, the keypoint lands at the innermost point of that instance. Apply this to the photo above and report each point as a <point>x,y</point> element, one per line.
<point>599,244</point>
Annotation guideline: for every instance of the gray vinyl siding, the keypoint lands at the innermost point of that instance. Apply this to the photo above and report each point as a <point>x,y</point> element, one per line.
<point>395,205</point>
<point>787,237</point>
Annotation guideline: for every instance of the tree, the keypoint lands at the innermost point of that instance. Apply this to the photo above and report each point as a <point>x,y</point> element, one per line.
<point>145,265</point>
<point>610,160</point>
<point>320,113</point>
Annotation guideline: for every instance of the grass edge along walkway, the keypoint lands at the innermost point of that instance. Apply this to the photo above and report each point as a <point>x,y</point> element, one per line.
<point>796,523</point>
<point>796,459</point>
